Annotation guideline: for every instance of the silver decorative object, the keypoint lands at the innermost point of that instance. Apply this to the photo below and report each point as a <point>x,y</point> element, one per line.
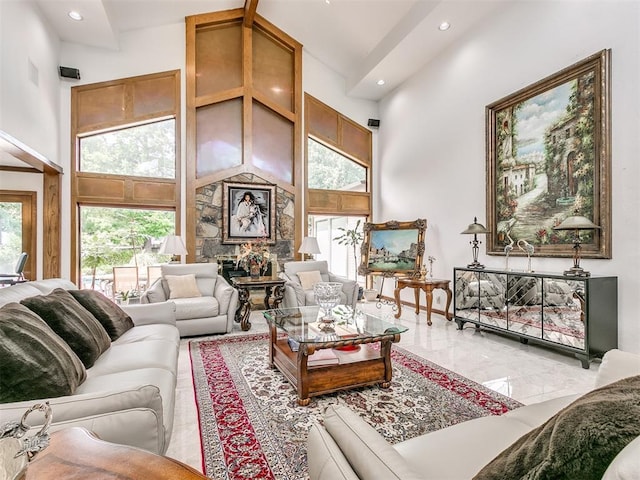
<point>15,451</point>
<point>327,295</point>
<point>527,248</point>
<point>507,250</point>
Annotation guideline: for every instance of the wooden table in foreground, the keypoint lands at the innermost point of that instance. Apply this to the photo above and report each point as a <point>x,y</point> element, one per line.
<point>427,285</point>
<point>272,286</point>
<point>76,454</point>
<point>359,363</point>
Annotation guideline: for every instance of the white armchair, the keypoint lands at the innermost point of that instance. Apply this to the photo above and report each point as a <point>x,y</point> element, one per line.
<point>300,278</point>
<point>205,302</point>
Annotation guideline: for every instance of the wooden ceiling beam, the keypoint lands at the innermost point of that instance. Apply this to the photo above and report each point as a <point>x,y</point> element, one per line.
<point>250,7</point>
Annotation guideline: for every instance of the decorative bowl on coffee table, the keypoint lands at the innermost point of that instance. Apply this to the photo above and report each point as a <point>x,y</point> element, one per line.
<point>327,296</point>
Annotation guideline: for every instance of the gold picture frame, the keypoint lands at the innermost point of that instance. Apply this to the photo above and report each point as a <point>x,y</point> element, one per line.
<point>393,248</point>
<point>549,157</point>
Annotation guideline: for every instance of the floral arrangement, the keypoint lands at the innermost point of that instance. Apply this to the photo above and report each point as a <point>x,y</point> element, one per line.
<point>253,254</point>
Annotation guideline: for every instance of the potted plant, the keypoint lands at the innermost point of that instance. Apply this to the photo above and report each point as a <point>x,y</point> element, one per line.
<point>352,237</point>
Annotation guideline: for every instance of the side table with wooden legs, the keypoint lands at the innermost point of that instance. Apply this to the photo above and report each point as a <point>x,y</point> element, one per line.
<point>428,285</point>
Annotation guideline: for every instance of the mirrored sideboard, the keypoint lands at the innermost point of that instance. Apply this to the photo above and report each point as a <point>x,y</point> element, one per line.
<point>575,314</point>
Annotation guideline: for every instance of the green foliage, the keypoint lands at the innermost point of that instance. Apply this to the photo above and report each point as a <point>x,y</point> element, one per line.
<point>144,150</point>
<point>11,233</point>
<point>113,236</point>
<point>329,170</point>
<point>351,237</point>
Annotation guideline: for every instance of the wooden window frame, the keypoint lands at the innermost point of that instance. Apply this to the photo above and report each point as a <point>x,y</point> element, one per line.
<point>29,201</point>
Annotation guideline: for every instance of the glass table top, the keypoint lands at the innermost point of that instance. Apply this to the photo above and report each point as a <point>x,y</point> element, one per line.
<point>306,325</point>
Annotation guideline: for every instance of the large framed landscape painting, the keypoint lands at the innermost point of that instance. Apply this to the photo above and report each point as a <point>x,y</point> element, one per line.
<point>393,248</point>
<point>248,212</point>
<point>549,157</point>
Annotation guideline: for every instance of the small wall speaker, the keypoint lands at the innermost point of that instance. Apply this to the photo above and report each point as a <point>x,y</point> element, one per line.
<point>69,72</point>
<point>373,122</point>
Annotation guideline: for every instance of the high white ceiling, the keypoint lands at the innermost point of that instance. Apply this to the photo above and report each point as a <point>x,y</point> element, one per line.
<point>363,40</point>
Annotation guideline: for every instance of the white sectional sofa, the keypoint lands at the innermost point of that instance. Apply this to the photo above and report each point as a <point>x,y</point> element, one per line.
<point>345,447</point>
<point>210,309</point>
<point>128,394</point>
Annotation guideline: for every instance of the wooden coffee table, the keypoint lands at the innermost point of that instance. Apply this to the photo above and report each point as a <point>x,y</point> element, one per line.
<point>74,453</point>
<point>359,364</point>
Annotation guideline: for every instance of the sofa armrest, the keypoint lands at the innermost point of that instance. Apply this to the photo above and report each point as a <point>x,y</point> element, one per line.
<point>129,416</point>
<point>617,365</point>
<point>151,313</point>
<point>154,294</point>
<point>223,293</point>
<point>368,453</point>
<point>293,293</point>
<point>325,459</point>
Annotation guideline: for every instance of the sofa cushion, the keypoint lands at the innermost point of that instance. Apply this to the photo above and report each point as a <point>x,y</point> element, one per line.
<point>133,356</point>
<point>114,320</point>
<point>182,286</point>
<point>200,307</point>
<point>369,454</point>
<point>309,279</point>
<point>580,441</point>
<point>74,323</point>
<point>36,363</point>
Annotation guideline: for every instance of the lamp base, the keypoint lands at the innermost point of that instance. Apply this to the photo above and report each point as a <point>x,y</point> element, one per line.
<point>475,264</point>
<point>576,272</point>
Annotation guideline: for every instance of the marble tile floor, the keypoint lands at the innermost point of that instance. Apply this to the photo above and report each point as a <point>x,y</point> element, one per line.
<point>527,373</point>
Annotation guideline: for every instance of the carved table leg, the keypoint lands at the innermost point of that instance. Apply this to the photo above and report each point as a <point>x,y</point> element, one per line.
<point>429,291</point>
<point>244,309</point>
<point>396,296</point>
<point>447,314</point>
<point>267,296</point>
<point>278,295</point>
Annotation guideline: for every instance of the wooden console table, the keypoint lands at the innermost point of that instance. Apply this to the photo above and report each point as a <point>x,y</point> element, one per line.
<point>76,453</point>
<point>272,286</point>
<point>427,285</point>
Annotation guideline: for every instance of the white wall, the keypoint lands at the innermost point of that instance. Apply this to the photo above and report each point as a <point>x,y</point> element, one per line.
<point>432,135</point>
<point>29,96</point>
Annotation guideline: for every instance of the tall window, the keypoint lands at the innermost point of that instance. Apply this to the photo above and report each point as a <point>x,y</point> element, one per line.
<point>126,175</point>
<point>342,258</point>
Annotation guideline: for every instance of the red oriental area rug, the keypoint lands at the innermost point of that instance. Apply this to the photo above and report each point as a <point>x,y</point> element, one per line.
<point>253,428</point>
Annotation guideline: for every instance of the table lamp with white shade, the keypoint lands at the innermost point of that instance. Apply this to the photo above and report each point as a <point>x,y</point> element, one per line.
<point>173,245</point>
<point>309,246</point>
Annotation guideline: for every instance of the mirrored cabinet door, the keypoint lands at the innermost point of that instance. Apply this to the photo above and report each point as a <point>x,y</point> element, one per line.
<point>564,311</point>
<point>524,298</point>
<point>493,307</point>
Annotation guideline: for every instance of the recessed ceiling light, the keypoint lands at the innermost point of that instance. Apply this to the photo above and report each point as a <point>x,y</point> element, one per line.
<point>380,82</point>
<point>444,26</point>
<point>75,15</point>
<point>328,2</point>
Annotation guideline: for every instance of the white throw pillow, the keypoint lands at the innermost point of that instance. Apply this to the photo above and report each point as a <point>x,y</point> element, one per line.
<point>309,279</point>
<point>182,286</point>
